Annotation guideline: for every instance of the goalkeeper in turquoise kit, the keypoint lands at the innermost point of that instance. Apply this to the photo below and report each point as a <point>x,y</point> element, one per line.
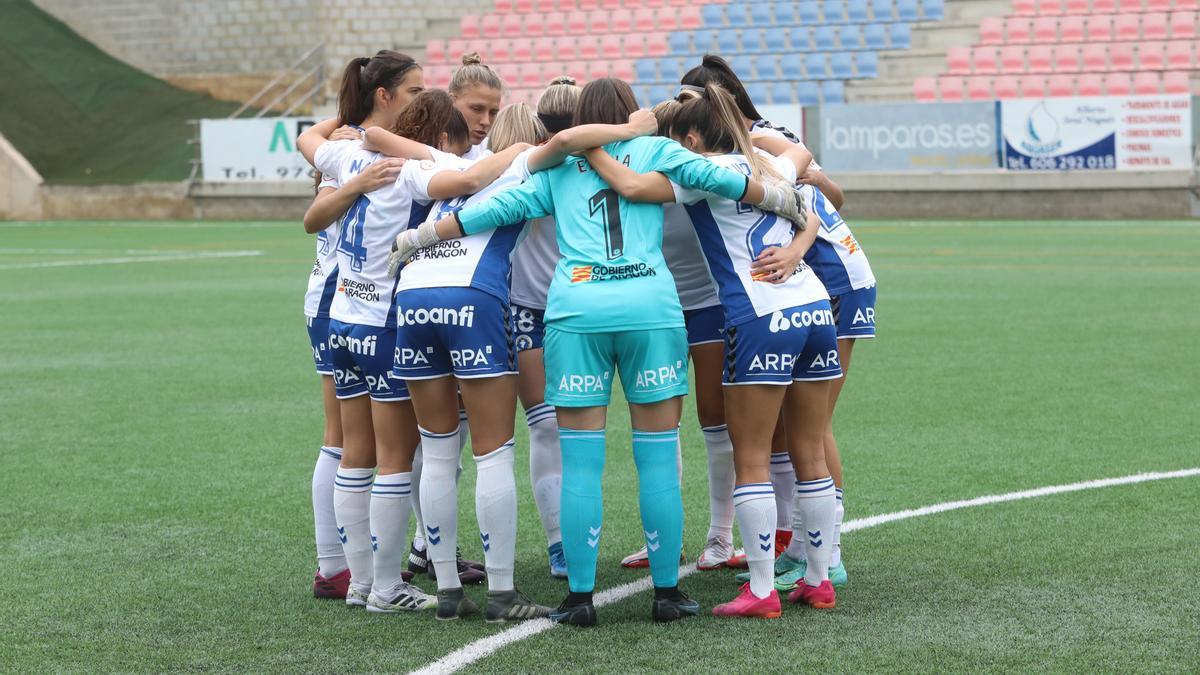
<point>612,310</point>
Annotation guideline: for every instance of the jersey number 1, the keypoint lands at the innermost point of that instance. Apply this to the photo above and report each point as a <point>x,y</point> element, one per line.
<point>607,204</point>
<point>351,240</point>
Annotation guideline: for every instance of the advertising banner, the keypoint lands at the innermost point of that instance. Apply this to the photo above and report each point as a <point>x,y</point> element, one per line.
<point>918,137</point>
<point>264,149</point>
<point>1104,132</point>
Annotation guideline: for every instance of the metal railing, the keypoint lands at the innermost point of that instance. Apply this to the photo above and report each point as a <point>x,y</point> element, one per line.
<point>311,68</point>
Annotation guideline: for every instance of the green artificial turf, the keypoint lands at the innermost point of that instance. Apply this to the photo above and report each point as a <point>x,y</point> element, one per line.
<point>159,423</point>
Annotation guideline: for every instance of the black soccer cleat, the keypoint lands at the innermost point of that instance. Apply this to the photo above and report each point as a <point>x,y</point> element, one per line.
<point>575,612</point>
<point>673,607</point>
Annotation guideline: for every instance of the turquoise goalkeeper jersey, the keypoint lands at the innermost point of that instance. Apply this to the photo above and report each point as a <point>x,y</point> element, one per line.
<point>611,276</point>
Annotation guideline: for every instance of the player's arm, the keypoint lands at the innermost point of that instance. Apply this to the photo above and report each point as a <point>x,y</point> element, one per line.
<point>637,187</point>
<point>452,183</point>
<point>378,139</point>
<point>692,171</point>
<point>325,130</point>
<point>817,178</point>
<point>580,138</point>
<point>777,263</point>
<point>330,203</point>
<point>786,150</point>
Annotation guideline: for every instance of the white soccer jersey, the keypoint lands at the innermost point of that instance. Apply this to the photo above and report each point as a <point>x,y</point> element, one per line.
<point>835,256</point>
<point>767,129</point>
<point>684,258</point>
<point>478,152</point>
<point>533,264</point>
<point>322,282</point>
<point>364,289</point>
<point>732,234</point>
<point>480,260</point>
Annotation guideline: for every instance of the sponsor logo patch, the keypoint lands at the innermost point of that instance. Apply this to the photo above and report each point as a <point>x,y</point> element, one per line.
<point>582,273</point>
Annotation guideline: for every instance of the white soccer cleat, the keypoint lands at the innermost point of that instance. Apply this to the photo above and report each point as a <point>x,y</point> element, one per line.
<point>356,597</point>
<point>716,553</point>
<point>404,597</point>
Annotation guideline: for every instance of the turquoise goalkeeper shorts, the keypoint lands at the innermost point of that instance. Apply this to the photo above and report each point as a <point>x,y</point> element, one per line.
<point>580,366</point>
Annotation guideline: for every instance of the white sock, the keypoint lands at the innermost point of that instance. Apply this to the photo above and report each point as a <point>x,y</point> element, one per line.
<point>439,504</point>
<point>783,480</point>
<point>418,540</point>
<point>464,435</point>
<point>545,468</point>
<point>755,506</point>
<point>330,559</point>
<point>838,515</point>
<point>496,511</point>
<point>352,506</point>
<point>391,501</point>
<point>817,502</point>
<point>795,549</point>
<point>720,482</point>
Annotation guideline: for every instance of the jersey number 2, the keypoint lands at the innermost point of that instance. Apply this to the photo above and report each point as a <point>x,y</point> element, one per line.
<point>607,204</point>
<point>351,240</point>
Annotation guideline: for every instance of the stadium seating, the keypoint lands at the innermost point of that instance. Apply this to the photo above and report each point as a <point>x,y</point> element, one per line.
<point>1074,48</point>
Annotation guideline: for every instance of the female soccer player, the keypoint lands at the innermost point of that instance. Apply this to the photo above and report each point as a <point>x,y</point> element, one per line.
<point>477,92</point>
<point>611,252</point>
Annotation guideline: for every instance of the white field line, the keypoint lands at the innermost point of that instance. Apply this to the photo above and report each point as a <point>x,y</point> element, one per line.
<point>88,251</point>
<point>479,649</point>
<point>194,255</point>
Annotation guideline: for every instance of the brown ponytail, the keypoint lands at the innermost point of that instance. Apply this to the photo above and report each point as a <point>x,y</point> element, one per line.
<point>428,116</point>
<point>363,75</point>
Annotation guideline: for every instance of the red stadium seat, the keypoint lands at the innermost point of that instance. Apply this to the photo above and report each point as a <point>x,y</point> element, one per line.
<point>564,48</point>
<point>1017,30</point>
<point>1090,84</point>
<point>983,60</point>
<point>598,69</point>
<point>577,22</point>
<point>644,19</point>
<point>1130,6</point>
<point>556,23</point>
<point>470,26</point>
<point>958,60</point>
<point>635,45</point>
<point>1179,55</point>
<point>666,18</point>
<point>1154,26</point>
<point>1120,56</point>
<point>1005,86</point>
<point>925,89</point>
<point>545,48</point>
<point>610,46</point>
<point>991,30</point>
<point>622,69</point>
<point>1118,84</point>
<point>1032,86</point>
<point>1099,28</point>
<point>588,48</point>
<point>1183,25</point>
<point>1064,85</point>
<point>610,4</point>
<point>576,69</point>
<point>657,45</point>
<point>1186,5</point>
<point>497,51</point>
<point>504,6</point>
<point>435,51</point>
<point>690,18</point>
<point>1066,58</point>
<point>1158,5</point>
<point>512,25</point>
<point>1104,6</point>
<point>1070,29</point>
<point>587,6</point>
<point>597,22</point>
<point>950,88</point>
<point>621,21</point>
<point>1025,7</point>
<point>438,77</point>
<point>545,6</point>
<point>1146,82</point>
<point>1049,7</point>
<point>1150,55</point>
<point>1012,59</point>
<point>1045,29</point>
<point>456,48</point>
<point>1095,56</point>
<point>1041,58</point>
<point>979,88</point>
<point>654,3</point>
<point>529,75</point>
<point>1175,82</point>
<point>534,23</point>
<point>1077,7</point>
<point>523,6</point>
<point>1125,26</point>
<point>521,50</point>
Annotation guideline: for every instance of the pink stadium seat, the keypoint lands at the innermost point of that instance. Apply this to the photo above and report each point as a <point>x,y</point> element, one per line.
<point>556,23</point>
<point>950,88</point>
<point>587,6</point>
<point>644,19</point>
<point>565,48</point>
<point>657,45</point>
<point>1154,26</point>
<point>1126,26</point>
<point>1158,5</point>
<point>523,6</point>
<point>621,20</point>
<point>1070,29</point>
<point>455,48</point>
<point>983,60</point>
<point>1104,6</point>
<point>1077,7</point>
<point>925,89</point>
<point>1099,28</point>
<point>1024,7</point>
<point>1045,29</point>
<point>1012,59</point>
<point>690,18</point>
<point>1064,85</point>
<point>1129,6</point>
<point>610,46</point>
<point>680,3</point>
<point>654,3</point>
<point>1120,56</point>
<point>511,25</point>
<point>666,18</point>
<point>635,45</point>
<point>1175,82</point>
<point>438,76</point>
<point>1066,58</point>
<point>958,60</point>
<point>1179,54</point>
<point>1118,84</point>
<point>472,25</point>
<point>1183,25</point>
<point>545,6</point>
<point>1032,86</point>
<point>979,88</point>
<point>1150,55</point>
<point>504,6</point>
<point>497,51</point>
<point>610,4</point>
<point>521,50</point>
<point>597,22</point>
<point>1186,5</point>
<point>1005,86</point>
<point>598,69</point>
<point>534,23</point>
<point>1041,58</point>
<point>577,22</point>
<point>1146,82</point>
<point>529,74</point>
<point>577,70</point>
<point>1017,30</point>
<point>1095,56</point>
<point>588,48</point>
<point>1049,7</point>
<point>544,48</point>
<point>991,30</point>
<point>622,69</point>
<point>1090,84</point>
<point>435,51</point>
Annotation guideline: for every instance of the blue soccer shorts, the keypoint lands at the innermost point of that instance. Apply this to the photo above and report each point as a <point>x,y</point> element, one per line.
<point>529,327</point>
<point>854,313</point>
<point>580,366</point>
<point>705,325</point>
<point>318,337</point>
<point>798,344</point>
<point>362,362</point>
<point>464,332</point>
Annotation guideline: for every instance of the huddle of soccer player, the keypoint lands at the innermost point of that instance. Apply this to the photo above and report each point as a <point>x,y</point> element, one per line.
<point>471,255</point>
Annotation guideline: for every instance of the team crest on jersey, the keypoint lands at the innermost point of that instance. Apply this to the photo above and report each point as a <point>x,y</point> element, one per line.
<point>582,273</point>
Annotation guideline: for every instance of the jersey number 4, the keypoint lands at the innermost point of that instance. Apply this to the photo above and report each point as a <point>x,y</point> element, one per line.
<point>607,204</point>
<point>350,241</point>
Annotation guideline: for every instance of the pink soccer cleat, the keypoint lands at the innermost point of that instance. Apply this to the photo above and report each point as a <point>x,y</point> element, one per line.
<point>748,605</point>
<point>817,597</point>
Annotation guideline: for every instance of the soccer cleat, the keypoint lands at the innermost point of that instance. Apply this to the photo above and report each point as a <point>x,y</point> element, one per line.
<point>356,597</point>
<point>749,605</point>
<point>581,614</point>
<point>838,576</point>
<point>558,560</point>
<point>790,573</point>
<point>331,588</point>
<point>418,561</point>
<point>512,606</point>
<point>403,598</point>
<point>738,561</point>
<point>716,553</point>
<point>784,564</point>
<point>469,571</point>
<point>673,609</point>
<point>783,539</point>
<point>641,559</point>
<point>817,597</point>
<point>453,604</point>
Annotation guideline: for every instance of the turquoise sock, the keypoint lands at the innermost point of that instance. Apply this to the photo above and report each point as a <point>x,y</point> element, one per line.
<point>660,501</point>
<point>582,514</point>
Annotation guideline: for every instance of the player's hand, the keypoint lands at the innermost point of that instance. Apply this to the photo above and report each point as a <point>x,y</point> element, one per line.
<point>346,133</point>
<point>811,176</point>
<point>643,123</point>
<point>784,199</point>
<point>381,173</point>
<point>776,264</point>
<point>403,248</point>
